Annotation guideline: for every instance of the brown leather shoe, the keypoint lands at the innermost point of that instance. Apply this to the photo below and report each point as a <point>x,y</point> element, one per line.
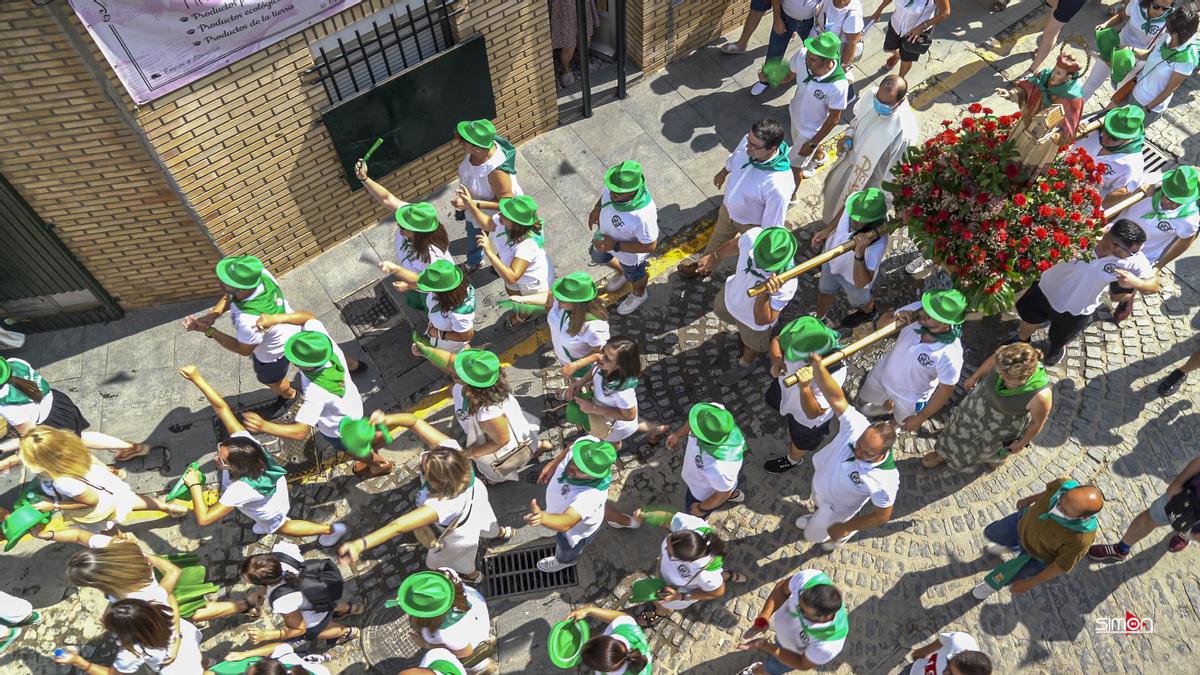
<point>690,269</point>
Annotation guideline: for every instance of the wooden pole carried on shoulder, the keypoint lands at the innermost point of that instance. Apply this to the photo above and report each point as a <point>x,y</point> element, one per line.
<point>818,260</point>
<point>1129,200</point>
<point>805,374</point>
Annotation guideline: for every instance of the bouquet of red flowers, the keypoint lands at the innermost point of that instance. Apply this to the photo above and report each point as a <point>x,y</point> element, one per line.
<point>973,208</point>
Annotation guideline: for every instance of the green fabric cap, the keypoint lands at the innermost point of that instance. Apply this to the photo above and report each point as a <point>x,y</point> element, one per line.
<point>948,307</point>
<point>308,349</point>
<point>593,457</point>
<point>774,249</point>
<point>424,595</point>
<point>624,177</point>
<point>418,217</point>
<point>522,210</point>
<point>441,276</point>
<point>646,590</point>
<point>20,522</point>
<point>710,423</point>
<point>5,371</point>
<point>1122,62</point>
<point>566,641</point>
<point>806,336</point>
<point>826,45</point>
<point>575,287</point>
<point>1125,122</point>
<point>240,271</point>
<point>480,133</point>
<point>1181,185</point>
<point>477,367</point>
<point>358,435</point>
<point>1107,40</point>
<point>444,667</point>
<point>776,71</point>
<point>867,206</point>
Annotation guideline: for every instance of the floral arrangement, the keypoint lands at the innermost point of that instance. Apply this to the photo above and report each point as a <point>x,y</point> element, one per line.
<point>993,224</point>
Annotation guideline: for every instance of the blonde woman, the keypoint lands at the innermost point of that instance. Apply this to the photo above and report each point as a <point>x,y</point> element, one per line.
<point>1000,416</point>
<point>93,500</point>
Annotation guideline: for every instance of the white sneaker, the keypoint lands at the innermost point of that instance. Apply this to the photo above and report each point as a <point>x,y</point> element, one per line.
<point>802,521</point>
<point>758,88</point>
<point>550,565</point>
<point>833,545</point>
<point>752,669</point>
<point>631,303</point>
<point>634,524</point>
<point>339,531</point>
<point>820,162</point>
<point>808,171</point>
<point>917,265</point>
<point>615,284</point>
<point>982,591</point>
<point>998,550</point>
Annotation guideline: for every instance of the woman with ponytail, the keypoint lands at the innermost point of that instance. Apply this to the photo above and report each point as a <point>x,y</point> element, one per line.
<point>621,650</point>
<point>148,634</point>
<point>279,573</point>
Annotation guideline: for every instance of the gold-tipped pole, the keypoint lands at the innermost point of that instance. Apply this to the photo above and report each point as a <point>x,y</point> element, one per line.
<point>818,260</point>
<point>805,375</point>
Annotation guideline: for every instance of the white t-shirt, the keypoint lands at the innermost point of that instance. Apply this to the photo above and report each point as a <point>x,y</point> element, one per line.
<point>441,654</point>
<point>475,178</point>
<point>592,336</point>
<point>268,513</point>
<point>617,622</point>
<point>1154,76</point>
<point>1121,170</point>
<point>292,600</point>
<point>1161,232</point>
<point>687,575</point>
<point>408,258</point>
<point>450,509</point>
<point>1075,287</point>
<point>622,395</point>
<point>952,644</point>
<point>109,490</point>
<point>800,9</point>
<point>188,660</point>
<point>537,276</point>
<point>472,629</point>
<point>706,475</point>
<point>587,501</point>
<point>748,275</point>
<point>789,398</point>
<point>458,320</point>
<point>912,369</point>
<point>845,482</point>
<point>843,265</point>
<point>789,632</point>
<point>845,21</point>
<point>518,427</point>
<point>639,225</point>
<point>151,592</point>
<point>813,100</point>
<point>1132,34</point>
<point>905,17</point>
<point>323,409</point>
<point>285,654</point>
<point>269,342</point>
<point>25,413</point>
<point>756,196</point>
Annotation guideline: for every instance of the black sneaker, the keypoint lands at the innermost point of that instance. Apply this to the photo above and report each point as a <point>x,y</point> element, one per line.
<point>277,408</point>
<point>1171,382</point>
<point>779,464</point>
<point>1055,357</point>
<point>858,317</point>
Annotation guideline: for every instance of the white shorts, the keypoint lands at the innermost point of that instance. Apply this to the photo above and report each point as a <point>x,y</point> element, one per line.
<point>872,392</point>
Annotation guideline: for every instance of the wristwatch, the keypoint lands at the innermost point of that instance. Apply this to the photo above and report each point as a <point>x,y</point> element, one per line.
<point>861,258</point>
<point>616,246</point>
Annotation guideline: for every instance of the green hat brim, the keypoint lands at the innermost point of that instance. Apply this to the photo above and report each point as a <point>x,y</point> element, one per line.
<point>467,134</point>
<point>578,460</point>
<point>814,45</point>
<point>223,266</point>
<point>430,288</point>
<point>289,351</point>
<point>855,207</point>
<point>422,613</point>
<point>505,208</point>
<point>693,418</point>
<point>1123,135</point>
<point>783,262</point>
<point>469,378</point>
<point>621,189</point>
<point>556,289</point>
<point>788,339</point>
<point>579,632</point>
<point>406,225</point>
<point>20,522</point>
<point>646,590</point>
<point>5,371</point>
<point>935,314</point>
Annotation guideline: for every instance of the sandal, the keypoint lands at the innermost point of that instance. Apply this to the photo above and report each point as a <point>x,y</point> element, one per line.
<point>511,322</point>
<point>354,609</point>
<point>647,616</point>
<point>732,48</point>
<point>134,451</point>
<point>932,459</point>
<point>13,633</point>
<point>660,432</point>
<point>472,578</point>
<point>506,532</point>
<point>350,634</point>
<point>732,577</point>
<point>362,469</point>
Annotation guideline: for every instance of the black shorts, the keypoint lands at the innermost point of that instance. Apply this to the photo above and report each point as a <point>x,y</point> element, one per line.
<point>1033,307</point>
<point>270,373</point>
<point>1067,9</point>
<point>910,50</point>
<point>803,437</point>
<point>65,415</point>
<point>311,633</point>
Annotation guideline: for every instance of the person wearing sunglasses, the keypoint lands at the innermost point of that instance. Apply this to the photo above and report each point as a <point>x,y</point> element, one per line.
<point>1140,23</point>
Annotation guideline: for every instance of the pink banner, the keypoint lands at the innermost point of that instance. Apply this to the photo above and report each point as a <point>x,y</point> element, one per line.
<point>158,46</point>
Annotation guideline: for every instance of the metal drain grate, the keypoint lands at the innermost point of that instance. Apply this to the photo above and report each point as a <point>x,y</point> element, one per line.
<point>387,641</point>
<point>516,573</point>
<point>368,308</point>
<point>1155,159</point>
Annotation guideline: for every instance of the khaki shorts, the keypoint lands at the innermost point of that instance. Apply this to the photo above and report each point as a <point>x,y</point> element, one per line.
<point>758,340</point>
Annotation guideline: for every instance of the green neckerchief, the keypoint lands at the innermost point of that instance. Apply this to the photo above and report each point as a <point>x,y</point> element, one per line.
<point>835,75</point>
<point>1036,381</point>
<point>1078,525</point>
<point>266,483</point>
<point>637,642</point>
<point>13,396</point>
<point>945,337</point>
<point>640,199</point>
<point>510,156</point>
<point>729,450</point>
<point>1184,211</point>
<point>268,301</point>
<point>1071,89</point>
<point>717,561</point>
<point>1186,53</point>
<point>1003,574</point>
<point>777,163</point>
<point>331,377</point>
<point>834,630</point>
<point>597,483</point>
<point>467,306</point>
<point>1149,23</point>
<point>618,385</point>
<point>888,463</point>
<point>454,615</point>
<point>1133,145</point>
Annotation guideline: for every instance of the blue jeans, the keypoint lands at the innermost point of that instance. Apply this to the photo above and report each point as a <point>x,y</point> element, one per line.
<point>568,554</point>
<point>630,272</point>
<point>474,251</point>
<point>774,666</point>
<point>778,43</point>
<point>1005,533</point>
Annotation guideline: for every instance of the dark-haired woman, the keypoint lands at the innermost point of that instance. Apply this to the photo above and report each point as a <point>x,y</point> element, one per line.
<point>146,636</point>
<point>251,481</point>
<point>420,236</point>
<point>1169,61</point>
<point>1140,23</point>
<point>488,170</point>
<point>450,301</point>
<point>280,659</point>
<point>516,249</point>
<point>621,650</point>
<point>279,573</point>
<point>445,612</point>
<point>612,409</point>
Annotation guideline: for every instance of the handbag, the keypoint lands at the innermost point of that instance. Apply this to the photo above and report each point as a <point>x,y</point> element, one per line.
<point>432,536</point>
<point>482,652</point>
<point>522,454</point>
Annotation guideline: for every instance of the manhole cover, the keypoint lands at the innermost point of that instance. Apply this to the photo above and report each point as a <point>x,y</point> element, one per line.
<point>368,308</point>
<point>516,573</point>
<point>387,641</point>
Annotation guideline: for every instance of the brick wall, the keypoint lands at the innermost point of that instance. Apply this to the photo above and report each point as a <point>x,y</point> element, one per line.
<point>65,149</point>
<point>660,33</point>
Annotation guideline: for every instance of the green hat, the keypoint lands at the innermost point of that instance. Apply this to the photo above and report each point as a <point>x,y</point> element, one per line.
<point>646,590</point>
<point>477,367</point>
<point>774,248</point>
<point>807,335</point>
<point>20,522</point>
<point>1125,122</point>
<point>827,45</point>
<point>624,177</point>
<point>948,307</point>
<point>575,287</point>
<point>444,667</point>
<point>234,667</point>
<point>478,132</point>
<point>424,595</point>
<point>867,206</point>
<point>710,423</point>
<point>441,276</point>
<point>240,271</point>
<point>1181,185</point>
<point>522,210</point>
<point>593,457</point>
<point>1123,61</point>
<point>418,217</point>
<point>308,349</point>
<point>358,435</point>
<point>1106,41</point>
<point>566,641</point>
<point>5,371</point>
<point>776,71</point>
